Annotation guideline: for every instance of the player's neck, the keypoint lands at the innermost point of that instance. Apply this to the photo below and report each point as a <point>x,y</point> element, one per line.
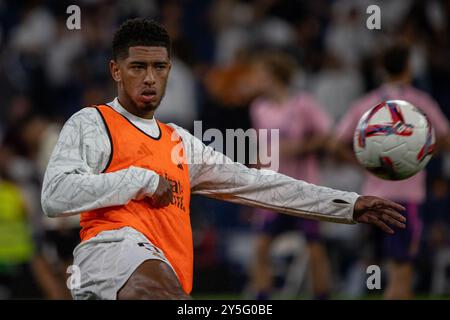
<point>131,108</point>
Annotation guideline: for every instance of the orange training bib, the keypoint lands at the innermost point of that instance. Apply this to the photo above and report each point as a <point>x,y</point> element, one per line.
<point>168,228</point>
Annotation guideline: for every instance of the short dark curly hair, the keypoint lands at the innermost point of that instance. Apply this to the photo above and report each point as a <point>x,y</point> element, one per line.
<point>139,32</point>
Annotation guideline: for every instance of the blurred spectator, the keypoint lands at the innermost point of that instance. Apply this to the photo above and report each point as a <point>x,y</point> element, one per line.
<point>16,246</point>
<point>36,30</point>
<point>336,86</point>
<point>180,103</point>
<point>437,235</point>
<point>400,249</point>
<point>30,140</point>
<point>304,127</point>
<point>229,91</point>
<point>347,36</point>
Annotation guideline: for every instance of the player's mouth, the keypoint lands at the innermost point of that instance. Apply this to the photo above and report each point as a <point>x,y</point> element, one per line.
<point>148,95</point>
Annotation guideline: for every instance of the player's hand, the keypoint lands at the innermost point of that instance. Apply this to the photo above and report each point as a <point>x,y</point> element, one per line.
<point>379,212</point>
<point>163,195</point>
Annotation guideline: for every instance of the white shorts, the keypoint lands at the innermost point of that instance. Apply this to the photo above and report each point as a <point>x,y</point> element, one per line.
<point>107,261</point>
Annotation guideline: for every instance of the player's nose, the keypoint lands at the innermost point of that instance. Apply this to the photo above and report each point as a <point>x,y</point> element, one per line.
<point>149,78</point>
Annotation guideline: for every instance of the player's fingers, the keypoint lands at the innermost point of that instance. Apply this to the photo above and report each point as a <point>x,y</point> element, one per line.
<point>380,224</point>
<point>383,226</point>
<point>394,222</point>
<point>362,219</point>
<point>162,204</point>
<point>167,198</point>
<point>162,200</point>
<point>394,214</point>
<point>170,196</point>
<point>392,205</point>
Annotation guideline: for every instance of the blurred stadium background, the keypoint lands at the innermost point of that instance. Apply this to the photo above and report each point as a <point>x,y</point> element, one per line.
<point>48,72</point>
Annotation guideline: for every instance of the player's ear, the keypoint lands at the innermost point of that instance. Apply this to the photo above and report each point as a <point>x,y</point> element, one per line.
<point>115,70</point>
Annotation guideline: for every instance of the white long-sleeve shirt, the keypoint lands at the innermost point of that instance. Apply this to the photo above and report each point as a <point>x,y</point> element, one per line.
<point>74,181</point>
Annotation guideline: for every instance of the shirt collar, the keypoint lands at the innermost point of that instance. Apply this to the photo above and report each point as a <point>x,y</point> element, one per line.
<point>115,104</point>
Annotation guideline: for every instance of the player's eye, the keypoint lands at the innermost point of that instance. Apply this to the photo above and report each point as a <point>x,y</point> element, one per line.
<point>160,66</point>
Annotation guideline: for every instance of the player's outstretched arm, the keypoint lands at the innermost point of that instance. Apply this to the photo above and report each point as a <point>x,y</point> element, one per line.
<point>73,181</point>
<point>214,175</point>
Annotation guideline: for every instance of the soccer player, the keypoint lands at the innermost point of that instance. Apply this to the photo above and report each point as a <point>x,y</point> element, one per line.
<point>401,249</point>
<point>121,169</point>
<point>303,127</point>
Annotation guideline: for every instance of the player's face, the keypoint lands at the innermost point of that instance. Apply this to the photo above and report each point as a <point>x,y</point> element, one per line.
<point>142,79</point>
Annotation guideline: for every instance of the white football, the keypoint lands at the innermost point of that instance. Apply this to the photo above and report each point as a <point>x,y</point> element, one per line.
<point>394,140</point>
